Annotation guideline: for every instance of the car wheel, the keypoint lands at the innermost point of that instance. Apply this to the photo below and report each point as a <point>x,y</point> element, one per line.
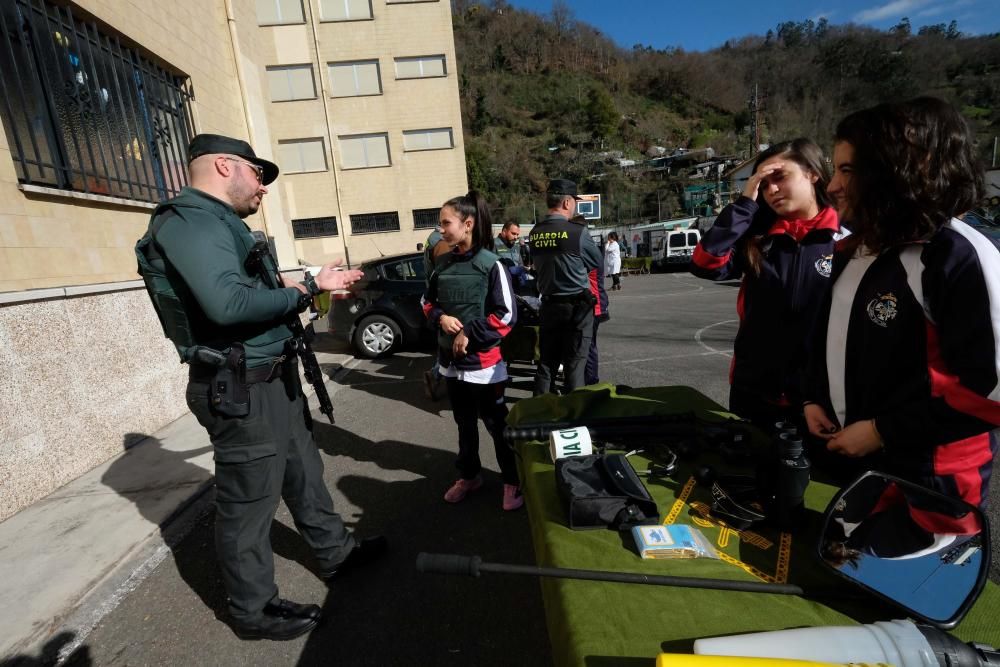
<point>376,336</point>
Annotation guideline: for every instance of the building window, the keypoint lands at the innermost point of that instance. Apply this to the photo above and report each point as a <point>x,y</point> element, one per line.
<point>406,2</point>
<point>301,155</point>
<point>311,228</point>
<point>420,67</point>
<point>427,140</point>
<point>357,77</point>
<point>82,112</point>
<point>370,223</point>
<point>279,12</point>
<point>345,10</point>
<point>425,218</point>
<point>291,82</point>
<point>364,150</point>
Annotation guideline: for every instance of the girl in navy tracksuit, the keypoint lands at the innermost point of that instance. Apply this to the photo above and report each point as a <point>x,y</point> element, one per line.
<point>906,368</point>
<point>470,302</point>
<point>778,236</point>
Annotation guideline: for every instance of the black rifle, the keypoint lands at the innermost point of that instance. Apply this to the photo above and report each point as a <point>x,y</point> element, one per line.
<point>261,262</point>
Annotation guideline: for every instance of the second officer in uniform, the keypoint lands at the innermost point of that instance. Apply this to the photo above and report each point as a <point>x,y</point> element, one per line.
<point>563,254</point>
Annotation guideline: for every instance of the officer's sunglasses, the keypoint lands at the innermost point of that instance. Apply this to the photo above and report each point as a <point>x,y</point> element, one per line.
<point>257,169</point>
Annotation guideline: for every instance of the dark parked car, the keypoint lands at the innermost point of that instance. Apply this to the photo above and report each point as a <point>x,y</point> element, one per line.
<point>984,223</point>
<point>381,312</point>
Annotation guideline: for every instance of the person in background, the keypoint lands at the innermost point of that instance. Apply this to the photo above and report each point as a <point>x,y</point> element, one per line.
<point>591,373</point>
<point>507,245</point>
<point>564,254</point>
<point>613,261</point>
<point>435,247</point>
<point>470,302</point>
<point>904,372</point>
<point>779,238</point>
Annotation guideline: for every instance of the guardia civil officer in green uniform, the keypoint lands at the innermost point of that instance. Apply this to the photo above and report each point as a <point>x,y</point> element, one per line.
<point>563,254</point>
<point>244,386</point>
<point>507,245</point>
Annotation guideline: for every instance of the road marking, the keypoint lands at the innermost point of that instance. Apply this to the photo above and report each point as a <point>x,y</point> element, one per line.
<point>670,356</point>
<point>699,332</point>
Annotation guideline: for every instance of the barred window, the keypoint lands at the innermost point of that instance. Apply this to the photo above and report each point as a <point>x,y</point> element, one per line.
<point>425,218</point>
<point>84,113</point>
<point>369,223</point>
<point>311,228</point>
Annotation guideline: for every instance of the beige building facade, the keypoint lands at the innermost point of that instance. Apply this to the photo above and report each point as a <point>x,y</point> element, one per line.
<point>356,100</point>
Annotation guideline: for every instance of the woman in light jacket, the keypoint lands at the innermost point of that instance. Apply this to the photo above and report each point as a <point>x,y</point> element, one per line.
<point>613,260</point>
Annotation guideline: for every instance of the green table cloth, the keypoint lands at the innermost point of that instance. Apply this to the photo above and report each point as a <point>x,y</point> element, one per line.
<point>598,623</point>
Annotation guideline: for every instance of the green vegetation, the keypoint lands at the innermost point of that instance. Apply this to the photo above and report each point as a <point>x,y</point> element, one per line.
<point>546,96</point>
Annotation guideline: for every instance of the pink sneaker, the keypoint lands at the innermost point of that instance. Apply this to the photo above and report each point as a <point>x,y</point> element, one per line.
<point>512,497</point>
<point>462,488</point>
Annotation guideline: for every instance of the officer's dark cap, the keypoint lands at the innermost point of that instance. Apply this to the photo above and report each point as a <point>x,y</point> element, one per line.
<point>209,144</point>
<point>561,186</point>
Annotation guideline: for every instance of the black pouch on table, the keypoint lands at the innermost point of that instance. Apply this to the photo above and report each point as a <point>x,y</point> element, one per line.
<point>604,491</point>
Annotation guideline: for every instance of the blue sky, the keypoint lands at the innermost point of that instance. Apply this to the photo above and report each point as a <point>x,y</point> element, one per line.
<point>698,25</point>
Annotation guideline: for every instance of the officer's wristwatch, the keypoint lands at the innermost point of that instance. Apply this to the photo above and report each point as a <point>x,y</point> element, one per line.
<point>312,289</point>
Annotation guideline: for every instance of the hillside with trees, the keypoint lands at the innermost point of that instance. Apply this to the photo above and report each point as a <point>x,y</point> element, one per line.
<point>549,95</point>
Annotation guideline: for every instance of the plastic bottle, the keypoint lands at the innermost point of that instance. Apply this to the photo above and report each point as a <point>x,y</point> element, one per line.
<point>680,660</point>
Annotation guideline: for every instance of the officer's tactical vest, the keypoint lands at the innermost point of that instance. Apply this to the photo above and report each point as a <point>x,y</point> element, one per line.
<point>461,289</point>
<point>512,253</point>
<point>175,305</point>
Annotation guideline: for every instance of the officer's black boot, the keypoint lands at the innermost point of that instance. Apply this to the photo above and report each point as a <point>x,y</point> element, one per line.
<point>364,552</point>
<point>279,620</point>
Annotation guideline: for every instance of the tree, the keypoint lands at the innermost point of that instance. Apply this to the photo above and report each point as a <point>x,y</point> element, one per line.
<point>602,117</point>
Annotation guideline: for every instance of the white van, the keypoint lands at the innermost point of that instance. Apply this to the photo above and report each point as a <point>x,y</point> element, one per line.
<point>674,247</point>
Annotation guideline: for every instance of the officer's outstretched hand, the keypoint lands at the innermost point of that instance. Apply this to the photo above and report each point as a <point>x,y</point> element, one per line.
<point>330,278</point>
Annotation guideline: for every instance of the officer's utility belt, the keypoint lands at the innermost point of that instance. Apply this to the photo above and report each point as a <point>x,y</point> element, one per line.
<point>580,297</point>
<point>229,379</point>
<point>201,373</point>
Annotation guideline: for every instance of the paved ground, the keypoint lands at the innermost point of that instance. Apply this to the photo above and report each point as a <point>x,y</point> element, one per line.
<point>388,460</point>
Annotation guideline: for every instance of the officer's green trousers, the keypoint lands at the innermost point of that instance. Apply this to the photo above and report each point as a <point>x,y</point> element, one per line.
<point>267,455</point>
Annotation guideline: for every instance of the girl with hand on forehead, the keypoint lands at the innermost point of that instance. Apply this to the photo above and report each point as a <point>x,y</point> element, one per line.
<point>905,372</point>
<point>470,302</point>
<point>777,237</point>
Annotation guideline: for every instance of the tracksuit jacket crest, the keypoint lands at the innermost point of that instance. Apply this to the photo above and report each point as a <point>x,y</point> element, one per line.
<point>777,307</point>
<point>911,338</point>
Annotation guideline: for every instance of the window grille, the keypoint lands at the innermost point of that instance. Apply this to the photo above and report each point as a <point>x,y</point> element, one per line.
<point>425,218</point>
<point>82,112</point>
<point>311,228</point>
<point>370,223</point>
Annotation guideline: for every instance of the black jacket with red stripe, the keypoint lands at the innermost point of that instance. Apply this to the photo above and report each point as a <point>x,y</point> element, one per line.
<point>911,338</point>
<point>776,308</point>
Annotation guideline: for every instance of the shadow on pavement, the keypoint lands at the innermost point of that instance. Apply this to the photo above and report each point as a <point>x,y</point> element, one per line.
<point>50,654</point>
<point>194,551</point>
<point>389,613</point>
<point>397,378</point>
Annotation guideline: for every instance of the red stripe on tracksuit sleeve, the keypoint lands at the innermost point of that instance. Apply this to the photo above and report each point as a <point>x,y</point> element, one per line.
<point>494,322</point>
<point>708,261</point>
<point>948,386</point>
<point>963,461</point>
